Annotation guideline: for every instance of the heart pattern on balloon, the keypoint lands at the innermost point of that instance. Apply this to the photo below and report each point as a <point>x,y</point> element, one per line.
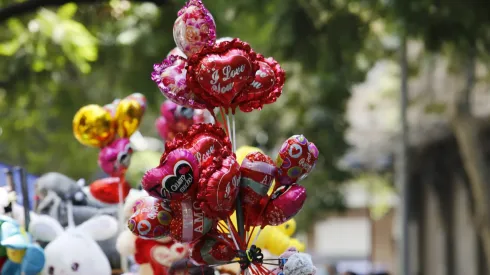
<point>175,178</point>
<point>218,74</point>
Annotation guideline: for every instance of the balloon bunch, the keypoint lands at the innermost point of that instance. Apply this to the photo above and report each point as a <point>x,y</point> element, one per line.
<point>204,73</point>
<point>109,128</point>
<point>198,182</point>
<point>175,119</point>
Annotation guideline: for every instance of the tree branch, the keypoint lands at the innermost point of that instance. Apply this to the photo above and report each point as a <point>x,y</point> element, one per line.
<point>21,8</point>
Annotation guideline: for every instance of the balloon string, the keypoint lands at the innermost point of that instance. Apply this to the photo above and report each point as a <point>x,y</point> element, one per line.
<point>234,132</point>
<point>233,237</point>
<point>226,124</point>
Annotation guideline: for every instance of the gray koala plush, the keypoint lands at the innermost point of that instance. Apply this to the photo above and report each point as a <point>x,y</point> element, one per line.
<point>54,190</point>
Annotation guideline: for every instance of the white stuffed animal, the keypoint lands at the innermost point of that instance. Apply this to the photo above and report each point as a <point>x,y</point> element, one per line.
<point>75,250</point>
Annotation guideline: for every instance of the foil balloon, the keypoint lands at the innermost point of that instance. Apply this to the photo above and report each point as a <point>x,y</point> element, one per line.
<point>243,151</point>
<point>129,113</point>
<point>176,51</point>
<point>203,140</point>
<point>93,126</point>
<point>174,119</point>
<point>151,218</point>
<point>176,178</point>
<point>223,39</point>
<point>266,87</point>
<point>106,190</point>
<point>140,98</point>
<point>218,74</point>
<point>295,160</point>
<point>115,158</point>
<point>188,223</point>
<point>112,107</point>
<point>203,116</point>
<point>213,249</point>
<point>194,28</point>
<point>285,203</point>
<point>219,185</point>
<point>170,77</point>
<point>257,171</point>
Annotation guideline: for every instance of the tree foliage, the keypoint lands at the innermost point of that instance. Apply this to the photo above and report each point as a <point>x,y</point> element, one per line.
<point>56,60</point>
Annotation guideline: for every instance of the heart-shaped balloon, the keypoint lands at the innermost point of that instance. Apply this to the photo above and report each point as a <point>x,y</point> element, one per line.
<point>129,113</point>
<point>194,28</point>
<point>284,204</point>
<point>176,177</point>
<point>151,218</point>
<point>218,74</point>
<point>188,223</point>
<point>213,249</point>
<point>266,87</point>
<point>174,119</point>
<point>170,77</point>
<point>114,159</point>
<point>219,185</point>
<point>94,126</point>
<point>203,140</point>
<point>295,160</point>
<point>106,190</point>
<point>257,173</point>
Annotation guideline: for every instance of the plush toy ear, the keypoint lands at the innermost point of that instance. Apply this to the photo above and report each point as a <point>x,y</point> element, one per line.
<point>45,228</point>
<point>100,228</point>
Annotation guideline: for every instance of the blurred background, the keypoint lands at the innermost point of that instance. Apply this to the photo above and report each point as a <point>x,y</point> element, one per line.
<point>352,68</point>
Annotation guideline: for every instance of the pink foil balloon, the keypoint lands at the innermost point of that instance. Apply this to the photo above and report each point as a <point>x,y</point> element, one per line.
<point>285,203</point>
<point>114,159</point>
<point>170,77</point>
<point>194,28</point>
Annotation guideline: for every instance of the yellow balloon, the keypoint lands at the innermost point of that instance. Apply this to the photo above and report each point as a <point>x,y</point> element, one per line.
<point>288,227</point>
<point>243,151</point>
<point>273,238</point>
<point>93,126</point>
<point>129,113</point>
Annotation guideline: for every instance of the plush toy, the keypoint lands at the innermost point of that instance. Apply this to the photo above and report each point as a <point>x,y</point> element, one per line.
<point>23,256</point>
<point>153,256</point>
<point>75,250</point>
<point>55,190</point>
<point>292,262</point>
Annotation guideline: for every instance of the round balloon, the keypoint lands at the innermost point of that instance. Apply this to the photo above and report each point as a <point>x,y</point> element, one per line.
<point>213,249</point>
<point>129,113</point>
<point>295,160</point>
<point>194,28</point>
<point>285,203</point>
<point>151,218</point>
<point>114,159</point>
<point>94,126</point>
<point>106,190</point>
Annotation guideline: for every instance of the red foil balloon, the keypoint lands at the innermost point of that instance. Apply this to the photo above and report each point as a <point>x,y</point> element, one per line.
<point>170,77</point>
<point>218,185</point>
<point>257,173</point>
<point>284,204</point>
<point>151,218</point>
<point>266,87</point>
<point>295,160</point>
<point>214,249</point>
<point>218,74</point>
<point>188,223</point>
<point>175,178</point>
<point>106,190</point>
<point>203,140</point>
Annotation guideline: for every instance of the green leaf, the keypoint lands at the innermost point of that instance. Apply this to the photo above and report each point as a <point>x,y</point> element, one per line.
<point>16,26</point>
<point>67,11</point>
<point>9,48</point>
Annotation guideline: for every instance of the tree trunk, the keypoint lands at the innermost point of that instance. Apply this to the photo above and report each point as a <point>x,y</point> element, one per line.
<point>467,130</point>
